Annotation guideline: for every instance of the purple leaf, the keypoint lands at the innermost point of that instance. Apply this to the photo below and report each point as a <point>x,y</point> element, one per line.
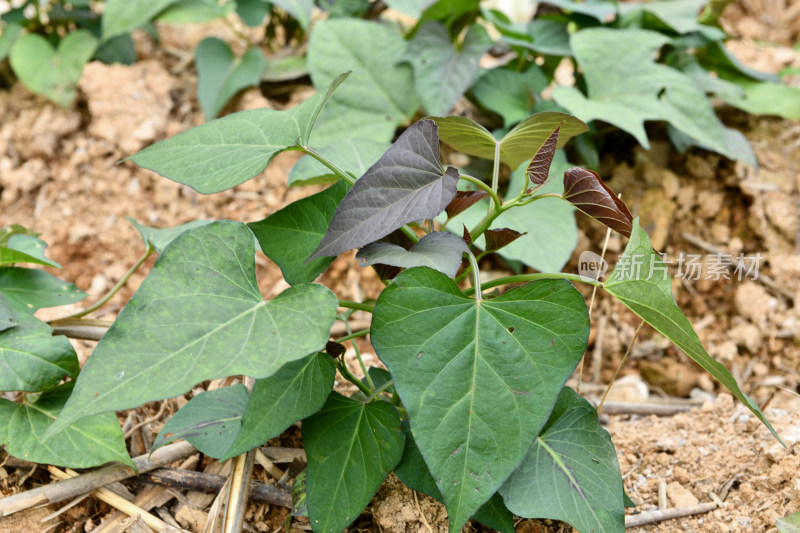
<point>539,168</point>
<point>407,184</point>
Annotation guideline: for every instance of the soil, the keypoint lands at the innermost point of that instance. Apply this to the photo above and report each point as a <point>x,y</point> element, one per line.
<point>59,174</point>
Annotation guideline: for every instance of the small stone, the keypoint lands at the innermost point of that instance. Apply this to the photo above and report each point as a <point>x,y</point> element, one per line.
<point>747,336</point>
<point>680,496</point>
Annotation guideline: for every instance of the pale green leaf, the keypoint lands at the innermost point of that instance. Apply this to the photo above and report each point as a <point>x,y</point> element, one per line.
<point>159,238</point>
<point>228,151</point>
<point>442,73</point>
<point>438,250</point>
<point>195,11</point>
<point>25,249</point>
<point>509,93</point>
<point>628,93</point>
<point>220,74</point>
<point>518,145</point>
<point>299,9</point>
<point>52,73</point>
<point>380,93</point>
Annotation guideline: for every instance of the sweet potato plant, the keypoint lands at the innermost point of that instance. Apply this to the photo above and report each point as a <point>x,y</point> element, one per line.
<point>473,409</point>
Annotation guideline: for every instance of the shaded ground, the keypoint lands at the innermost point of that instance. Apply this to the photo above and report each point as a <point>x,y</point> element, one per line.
<point>58,175</point>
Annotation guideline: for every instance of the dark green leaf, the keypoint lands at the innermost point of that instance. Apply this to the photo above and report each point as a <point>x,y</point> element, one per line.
<point>380,94</point>
<point>159,238</point>
<point>509,93</point>
<point>407,184</point>
<point>520,144</point>
<point>210,421</point>
<point>290,235</point>
<point>31,358</point>
<point>220,74</point>
<point>413,472</point>
<point>228,151</point>
<point>122,16</point>
<point>440,251</point>
<point>351,448</point>
<point>27,289</point>
<point>585,190</point>
<point>89,442</point>
<point>443,73</point>
<point>478,378</point>
<point>640,281</point>
<point>717,57</point>
<point>351,155</point>
<point>299,389</point>
<point>25,249</point>
<point>199,315</point>
<point>628,93</point>
<point>571,472</point>
<point>53,73</point>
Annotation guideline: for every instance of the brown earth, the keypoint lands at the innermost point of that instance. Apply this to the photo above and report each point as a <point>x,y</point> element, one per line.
<point>59,175</point>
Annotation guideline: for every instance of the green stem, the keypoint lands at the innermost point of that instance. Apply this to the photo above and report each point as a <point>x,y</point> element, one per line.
<point>358,306</point>
<point>359,333</point>
<point>521,278</point>
<point>367,377</point>
<point>539,197</point>
<point>379,390</point>
<point>496,170</point>
<point>330,164</point>
<point>121,283</point>
<point>476,276</point>
<point>480,184</point>
<point>349,376</point>
<point>409,233</point>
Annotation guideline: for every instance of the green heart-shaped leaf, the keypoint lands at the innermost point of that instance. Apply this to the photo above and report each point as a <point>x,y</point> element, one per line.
<point>25,249</point>
<point>199,315</point>
<point>478,378</point>
<point>31,358</point>
<point>351,446</point>
<point>89,442</point>
<point>571,472</point>
<point>53,73</point>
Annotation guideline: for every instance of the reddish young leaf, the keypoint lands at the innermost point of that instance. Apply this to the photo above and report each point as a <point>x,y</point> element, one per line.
<point>498,238</point>
<point>585,190</point>
<point>463,201</point>
<point>539,168</point>
<point>467,237</point>
<point>334,349</point>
